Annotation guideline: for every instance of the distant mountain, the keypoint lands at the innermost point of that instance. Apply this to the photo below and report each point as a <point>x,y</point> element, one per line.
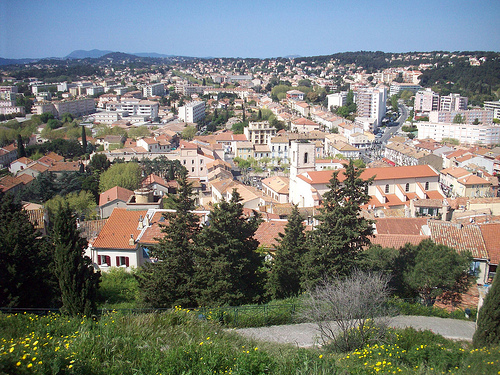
<point>152,54</point>
<point>291,56</point>
<point>82,54</point>
<point>120,56</point>
<point>16,61</point>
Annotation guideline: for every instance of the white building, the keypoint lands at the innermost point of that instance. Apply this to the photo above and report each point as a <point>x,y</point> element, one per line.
<point>370,103</point>
<point>338,99</point>
<point>135,107</point>
<point>493,107</point>
<point>155,89</point>
<point>426,101</point>
<point>465,134</point>
<point>453,102</point>
<point>397,87</point>
<point>192,112</point>
<point>259,132</point>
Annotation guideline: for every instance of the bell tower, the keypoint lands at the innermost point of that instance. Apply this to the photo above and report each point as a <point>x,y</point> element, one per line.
<point>302,158</point>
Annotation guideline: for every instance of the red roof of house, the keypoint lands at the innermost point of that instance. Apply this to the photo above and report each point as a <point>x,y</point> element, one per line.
<point>397,241</point>
<point>154,179</point>
<point>115,193</point>
<point>491,236</point>
<point>117,231</point>
<point>393,225</point>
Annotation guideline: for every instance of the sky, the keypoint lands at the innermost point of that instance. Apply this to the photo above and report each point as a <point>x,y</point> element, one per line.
<point>241,28</point>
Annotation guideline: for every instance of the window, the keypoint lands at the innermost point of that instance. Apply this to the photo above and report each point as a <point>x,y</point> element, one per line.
<point>306,156</point>
<point>387,189</point>
<point>104,260</point>
<point>192,169</point>
<point>407,187</point>
<point>427,185</point>
<point>192,161</point>
<point>122,261</point>
<point>184,162</point>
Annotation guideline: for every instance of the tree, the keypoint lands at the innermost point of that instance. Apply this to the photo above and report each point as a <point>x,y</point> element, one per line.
<point>488,320</point>
<point>286,272</point>
<point>342,233</point>
<point>188,133</point>
<point>25,261</point>
<point>423,271</point>
<point>53,124</point>
<point>169,282</point>
<point>125,175</point>
<point>21,152</point>
<point>243,111</point>
<point>77,280</point>
<point>458,119</point>
<point>99,163</point>
<point>46,116</point>
<point>84,139</point>
<point>66,117</point>
<point>228,266</point>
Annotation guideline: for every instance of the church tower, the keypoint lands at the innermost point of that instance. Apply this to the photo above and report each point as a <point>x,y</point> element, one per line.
<point>302,158</point>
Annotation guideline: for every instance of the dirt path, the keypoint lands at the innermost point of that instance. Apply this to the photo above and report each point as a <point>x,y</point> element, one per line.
<point>306,334</point>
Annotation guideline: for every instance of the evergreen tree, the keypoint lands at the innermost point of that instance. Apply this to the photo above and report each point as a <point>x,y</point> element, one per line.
<point>228,266</point>
<point>284,280</point>
<point>21,152</point>
<point>77,279</point>
<point>25,261</point>
<point>169,282</point>
<point>243,109</point>
<point>259,116</point>
<point>84,140</point>
<point>335,244</point>
<point>488,320</point>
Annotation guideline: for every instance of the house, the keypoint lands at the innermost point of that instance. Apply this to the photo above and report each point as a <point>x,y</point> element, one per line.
<point>159,185</point>
<point>303,125</point>
<point>7,155</point>
<point>392,187</point>
<point>127,236</point>
<point>113,198</point>
<point>277,187</point>
<point>58,168</point>
<point>458,182</point>
<point>19,165</point>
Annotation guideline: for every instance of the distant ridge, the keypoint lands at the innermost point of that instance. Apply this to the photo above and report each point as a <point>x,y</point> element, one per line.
<point>82,54</point>
<point>16,61</point>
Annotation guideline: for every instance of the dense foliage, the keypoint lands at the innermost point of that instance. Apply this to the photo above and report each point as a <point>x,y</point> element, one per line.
<point>488,322</point>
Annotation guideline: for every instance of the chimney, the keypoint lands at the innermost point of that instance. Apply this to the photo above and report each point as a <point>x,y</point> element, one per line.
<point>140,226</point>
<point>131,241</point>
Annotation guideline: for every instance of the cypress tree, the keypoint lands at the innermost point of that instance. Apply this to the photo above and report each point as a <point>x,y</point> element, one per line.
<point>488,321</point>
<point>84,140</point>
<point>77,279</point>
<point>169,282</point>
<point>21,152</point>
<point>243,108</point>
<point>335,244</point>
<point>259,116</point>
<point>228,266</point>
<point>286,273</point>
<point>26,279</point>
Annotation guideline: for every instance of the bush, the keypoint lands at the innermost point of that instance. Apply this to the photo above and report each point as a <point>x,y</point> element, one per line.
<point>118,289</point>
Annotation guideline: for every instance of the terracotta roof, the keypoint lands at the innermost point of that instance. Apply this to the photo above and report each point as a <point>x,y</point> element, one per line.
<point>391,225</point>
<point>268,231</point>
<point>323,177</point>
<point>114,193</point>
<point>473,180</point>
<point>278,184</point>
<point>62,166</point>
<point>397,241</point>
<point>23,160</point>
<point>491,236</point>
<point>455,172</point>
<point>9,182</point>
<point>154,179</point>
<point>117,231</point>
<point>460,237</point>
<point>304,121</point>
<point>54,156</point>
<point>25,178</point>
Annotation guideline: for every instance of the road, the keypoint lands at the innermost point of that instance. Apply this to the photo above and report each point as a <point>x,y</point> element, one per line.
<point>400,121</point>
<point>307,335</point>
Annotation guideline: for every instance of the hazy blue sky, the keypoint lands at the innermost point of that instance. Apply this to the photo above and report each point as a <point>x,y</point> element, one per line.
<point>233,28</point>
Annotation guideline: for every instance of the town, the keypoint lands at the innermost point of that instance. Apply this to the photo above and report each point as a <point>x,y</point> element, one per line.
<point>126,140</point>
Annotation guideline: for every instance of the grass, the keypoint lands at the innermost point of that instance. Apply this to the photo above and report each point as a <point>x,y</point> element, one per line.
<point>178,342</point>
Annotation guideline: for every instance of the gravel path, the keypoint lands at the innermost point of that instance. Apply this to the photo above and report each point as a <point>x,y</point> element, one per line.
<point>306,334</point>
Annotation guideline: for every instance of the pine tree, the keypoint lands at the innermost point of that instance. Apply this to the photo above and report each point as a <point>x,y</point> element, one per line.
<point>84,140</point>
<point>77,279</point>
<point>284,280</point>
<point>488,321</point>
<point>169,282</point>
<point>21,152</point>
<point>228,265</point>
<point>334,245</point>
<point>26,279</point>
<point>243,109</point>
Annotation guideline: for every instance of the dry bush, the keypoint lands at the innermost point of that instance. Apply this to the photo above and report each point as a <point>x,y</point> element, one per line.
<point>350,312</point>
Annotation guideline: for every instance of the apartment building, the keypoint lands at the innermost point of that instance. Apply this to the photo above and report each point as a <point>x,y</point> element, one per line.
<point>338,99</point>
<point>493,107</point>
<point>466,134</point>
<point>453,102</point>
<point>155,89</point>
<point>468,116</point>
<point>426,101</point>
<point>77,107</point>
<point>192,112</point>
<point>259,132</point>
<point>371,103</point>
<point>397,87</point>
<point>135,107</point>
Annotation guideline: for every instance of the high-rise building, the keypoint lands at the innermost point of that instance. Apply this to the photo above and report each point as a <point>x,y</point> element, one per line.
<point>370,103</point>
<point>426,101</point>
<point>453,102</point>
<point>192,112</point>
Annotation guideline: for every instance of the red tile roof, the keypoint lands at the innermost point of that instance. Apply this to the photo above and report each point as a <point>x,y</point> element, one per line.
<point>397,241</point>
<point>460,237</point>
<point>491,236</point>
<point>117,231</point>
<point>114,193</point>
<point>392,225</point>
